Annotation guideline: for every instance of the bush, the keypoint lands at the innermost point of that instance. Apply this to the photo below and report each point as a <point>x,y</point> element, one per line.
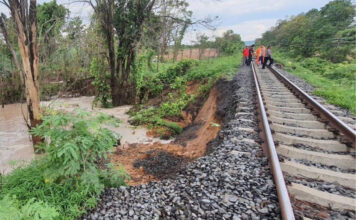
<point>10,210</point>
<point>179,69</point>
<point>315,64</point>
<point>74,170</point>
<point>342,71</point>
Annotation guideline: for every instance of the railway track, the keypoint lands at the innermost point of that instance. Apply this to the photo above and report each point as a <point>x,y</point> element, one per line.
<point>315,150</point>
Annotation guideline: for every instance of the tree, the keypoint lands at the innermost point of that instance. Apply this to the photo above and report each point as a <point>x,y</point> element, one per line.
<point>51,18</point>
<point>175,19</point>
<point>25,18</point>
<point>229,43</point>
<point>124,19</point>
<point>129,18</point>
<point>202,41</point>
<point>315,33</point>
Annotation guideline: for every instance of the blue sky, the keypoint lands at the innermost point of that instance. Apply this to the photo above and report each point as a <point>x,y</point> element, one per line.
<point>248,18</point>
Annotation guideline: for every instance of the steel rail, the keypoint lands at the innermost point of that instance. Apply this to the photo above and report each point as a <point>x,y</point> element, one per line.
<point>330,118</point>
<point>283,196</point>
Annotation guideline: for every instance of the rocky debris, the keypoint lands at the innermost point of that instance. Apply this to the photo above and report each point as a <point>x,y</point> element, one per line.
<point>221,185</point>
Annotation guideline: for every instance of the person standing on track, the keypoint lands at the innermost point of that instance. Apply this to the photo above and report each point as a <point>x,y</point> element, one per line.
<point>250,54</point>
<point>268,57</point>
<point>245,55</point>
<point>258,53</point>
<point>263,54</point>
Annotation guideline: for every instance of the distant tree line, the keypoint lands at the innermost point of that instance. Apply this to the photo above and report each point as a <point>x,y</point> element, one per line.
<point>329,33</point>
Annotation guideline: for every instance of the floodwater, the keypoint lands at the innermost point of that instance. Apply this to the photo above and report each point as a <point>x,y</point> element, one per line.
<point>15,143</point>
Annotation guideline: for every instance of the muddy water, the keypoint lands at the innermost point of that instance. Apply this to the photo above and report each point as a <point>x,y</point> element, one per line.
<point>15,143</point>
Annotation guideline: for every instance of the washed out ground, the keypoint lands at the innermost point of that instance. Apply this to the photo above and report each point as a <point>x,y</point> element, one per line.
<point>15,143</point>
<point>148,162</point>
<point>136,143</point>
<point>231,181</point>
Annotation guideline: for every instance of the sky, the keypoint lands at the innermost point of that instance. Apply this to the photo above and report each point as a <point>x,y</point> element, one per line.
<point>248,18</point>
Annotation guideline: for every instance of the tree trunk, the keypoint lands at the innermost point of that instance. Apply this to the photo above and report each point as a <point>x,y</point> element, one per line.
<point>26,27</point>
<point>111,47</point>
<point>125,92</point>
<point>164,32</point>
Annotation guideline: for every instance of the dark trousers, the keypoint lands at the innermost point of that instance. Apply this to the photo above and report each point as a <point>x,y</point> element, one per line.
<point>261,59</point>
<point>249,59</point>
<point>265,62</point>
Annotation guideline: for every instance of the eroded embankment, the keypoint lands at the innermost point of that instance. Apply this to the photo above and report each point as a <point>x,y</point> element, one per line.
<point>232,182</point>
<point>149,162</point>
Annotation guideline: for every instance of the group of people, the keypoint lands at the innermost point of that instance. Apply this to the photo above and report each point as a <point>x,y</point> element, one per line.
<point>263,55</point>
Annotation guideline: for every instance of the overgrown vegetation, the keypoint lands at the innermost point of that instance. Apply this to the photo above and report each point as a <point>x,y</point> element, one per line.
<point>173,83</point>
<point>333,81</point>
<point>70,176</point>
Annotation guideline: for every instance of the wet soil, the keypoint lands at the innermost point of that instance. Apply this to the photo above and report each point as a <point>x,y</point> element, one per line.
<point>151,162</point>
<point>161,164</point>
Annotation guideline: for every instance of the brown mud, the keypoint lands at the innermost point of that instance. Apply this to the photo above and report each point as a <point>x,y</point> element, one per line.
<point>202,120</point>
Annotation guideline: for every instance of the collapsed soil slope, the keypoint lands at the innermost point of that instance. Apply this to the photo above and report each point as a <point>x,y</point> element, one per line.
<point>149,162</point>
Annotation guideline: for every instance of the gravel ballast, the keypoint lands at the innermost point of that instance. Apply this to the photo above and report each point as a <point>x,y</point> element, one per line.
<point>232,182</point>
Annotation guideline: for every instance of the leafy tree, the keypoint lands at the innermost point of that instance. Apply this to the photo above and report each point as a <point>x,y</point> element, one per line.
<point>315,33</point>
<point>51,18</point>
<point>229,42</point>
<point>129,18</point>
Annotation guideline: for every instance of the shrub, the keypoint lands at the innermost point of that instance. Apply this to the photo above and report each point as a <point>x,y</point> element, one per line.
<point>342,71</point>
<point>75,142</point>
<point>179,69</point>
<point>10,210</point>
<point>74,169</point>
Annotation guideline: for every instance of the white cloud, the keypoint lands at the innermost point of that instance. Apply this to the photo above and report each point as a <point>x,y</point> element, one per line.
<point>249,30</point>
<point>202,8</point>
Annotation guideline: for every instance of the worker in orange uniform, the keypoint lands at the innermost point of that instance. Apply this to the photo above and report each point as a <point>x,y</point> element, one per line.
<point>245,54</point>
<point>258,53</point>
<point>262,56</point>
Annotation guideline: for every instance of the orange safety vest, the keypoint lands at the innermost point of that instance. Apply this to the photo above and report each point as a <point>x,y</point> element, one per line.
<point>263,53</point>
<point>258,52</point>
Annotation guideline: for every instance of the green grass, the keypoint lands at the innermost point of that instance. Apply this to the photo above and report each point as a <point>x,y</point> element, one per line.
<point>335,82</point>
<point>175,77</point>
